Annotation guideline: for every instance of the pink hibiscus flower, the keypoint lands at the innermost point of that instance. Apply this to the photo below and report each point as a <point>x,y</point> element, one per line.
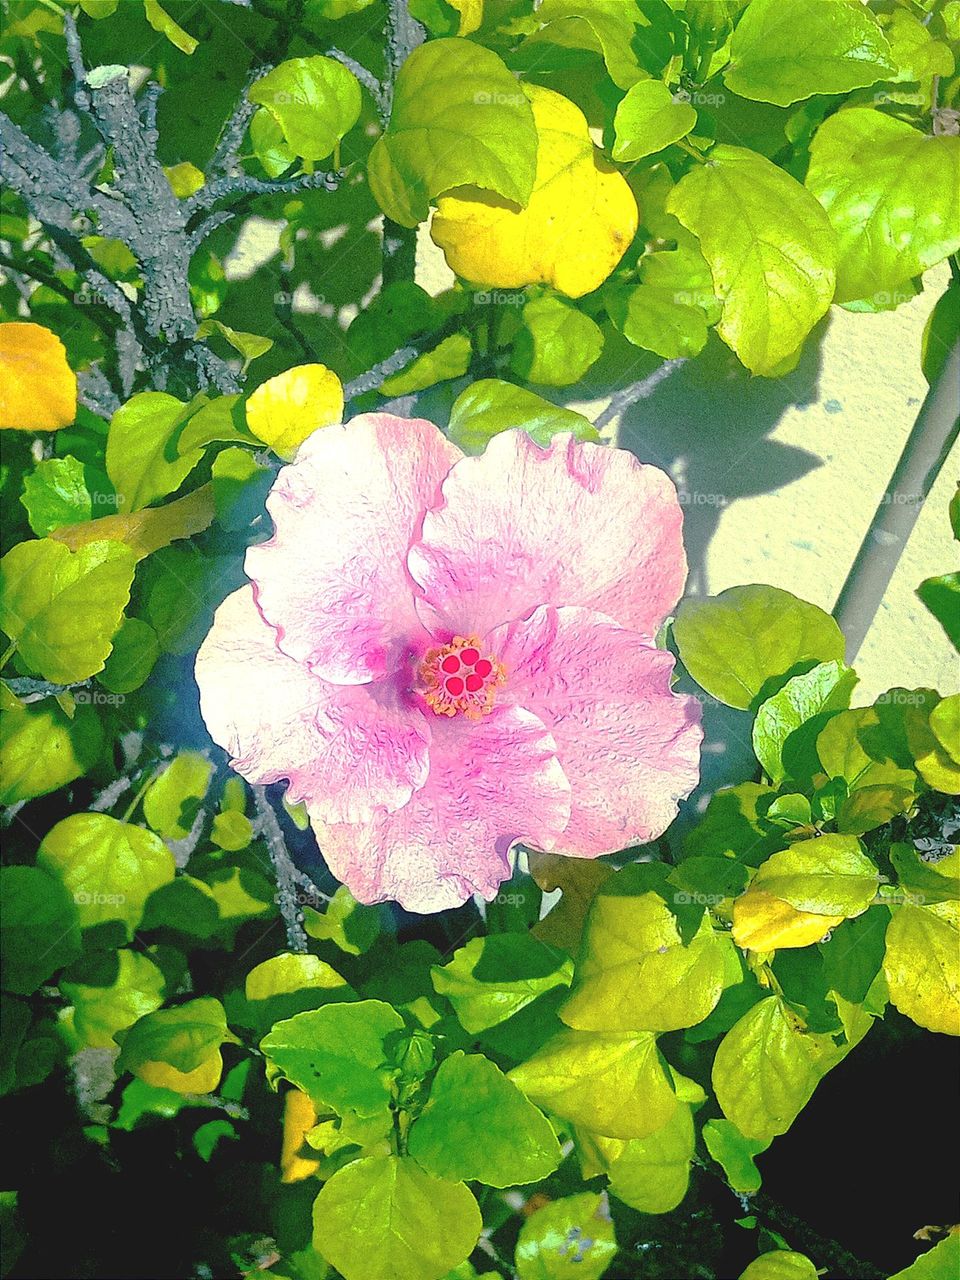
<point>447,655</point>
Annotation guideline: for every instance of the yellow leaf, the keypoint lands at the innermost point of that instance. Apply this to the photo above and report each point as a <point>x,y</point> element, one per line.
<point>922,964</point>
<point>203,1079</point>
<point>299,1117</point>
<point>38,389</point>
<point>471,15</point>
<point>184,178</point>
<point>576,227</point>
<point>762,922</point>
<point>145,531</point>
<point>288,408</point>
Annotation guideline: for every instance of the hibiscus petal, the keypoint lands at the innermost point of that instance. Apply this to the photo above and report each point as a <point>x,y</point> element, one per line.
<point>571,524</point>
<point>347,751</point>
<point>629,746</point>
<point>492,783</point>
<point>333,579</point>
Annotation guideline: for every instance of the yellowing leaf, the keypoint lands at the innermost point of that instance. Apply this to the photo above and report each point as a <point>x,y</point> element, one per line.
<point>762,922</point>
<point>471,15</point>
<point>203,1079</point>
<point>580,219</point>
<point>299,1116</point>
<point>184,178</point>
<point>38,389</point>
<point>145,531</point>
<point>288,408</point>
<point>922,964</point>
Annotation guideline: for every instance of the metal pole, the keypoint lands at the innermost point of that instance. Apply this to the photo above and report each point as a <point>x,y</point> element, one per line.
<point>934,434</point>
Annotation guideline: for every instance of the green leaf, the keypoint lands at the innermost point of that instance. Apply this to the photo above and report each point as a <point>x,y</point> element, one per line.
<point>941,595</point>
<point>352,927</point>
<point>161,21</point>
<point>39,932</point>
<point>132,658</point>
<point>915,54</point>
<point>859,746</point>
<point>939,1263</point>
<point>940,333</point>
<point>921,964</point>
<point>892,195</point>
<point>735,643</point>
<point>781,1264</point>
<point>784,732</point>
<point>732,826</point>
<point>62,607</point>
<point>314,100</point>
<point>657,319</point>
<point>142,458</point>
<point>249,345</point>
<point>649,119</point>
<point>109,991</point>
<point>635,974</point>
<point>929,731</point>
<point>478,1126</point>
<point>55,493</point>
<point>652,1174</point>
<point>491,979</point>
<point>109,867</point>
<point>556,344</point>
<point>611,1084</point>
<point>744,210</point>
<point>221,419</point>
<point>172,802</point>
<point>734,1153</point>
<point>568,1239</point>
<point>929,881</point>
<point>829,876</point>
<point>633,40</point>
<point>178,1048</point>
<point>459,118</point>
<point>854,954</point>
<point>450,359</point>
<point>767,1067</point>
<point>285,985</point>
<point>382,1217</point>
<point>786,50</point>
<point>269,145</point>
<point>41,749</point>
<point>337,1055</point>
<point>490,406</point>
<point>231,831</point>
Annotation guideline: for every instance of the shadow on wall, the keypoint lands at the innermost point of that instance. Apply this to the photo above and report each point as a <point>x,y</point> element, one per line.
<point>707,422</point>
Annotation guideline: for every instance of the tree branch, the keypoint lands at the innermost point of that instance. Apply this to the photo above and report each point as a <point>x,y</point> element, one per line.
<point>284,870</point>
